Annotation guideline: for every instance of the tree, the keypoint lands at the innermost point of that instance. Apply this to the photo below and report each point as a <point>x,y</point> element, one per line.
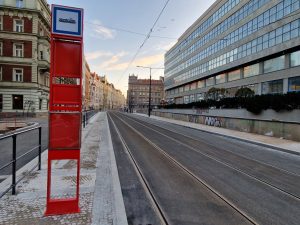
<point>244,92</point>
<point>216,93</point>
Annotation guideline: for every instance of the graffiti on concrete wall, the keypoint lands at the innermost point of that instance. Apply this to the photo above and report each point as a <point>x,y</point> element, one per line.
<point>201,111</point>
<point>213,121</point>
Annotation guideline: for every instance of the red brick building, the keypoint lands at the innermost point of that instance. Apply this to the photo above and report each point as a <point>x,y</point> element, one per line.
<point>138,93</point>
<point>24,56</point>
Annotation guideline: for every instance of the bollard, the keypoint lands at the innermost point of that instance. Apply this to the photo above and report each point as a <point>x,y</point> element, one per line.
<point>40,148</point>
<point>14,164</point>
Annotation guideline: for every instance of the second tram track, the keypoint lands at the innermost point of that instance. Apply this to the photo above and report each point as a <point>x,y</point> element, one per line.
<point>219,161</point>
<point>151,196</point>
<point>183,168</point>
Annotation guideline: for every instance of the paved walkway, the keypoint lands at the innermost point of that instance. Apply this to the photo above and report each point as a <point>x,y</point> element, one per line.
<point>276,143</point>
<point>101,200</point>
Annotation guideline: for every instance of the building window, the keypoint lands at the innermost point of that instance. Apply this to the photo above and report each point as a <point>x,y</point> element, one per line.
<point>1,22</point>
<point>18,50</point>
<point>200,97</point>
<point>252,70</point>
<point>234,75</point>
<point>1,102</point>
<point>294,84</point>
<point>18,75</point>
<point>192,98</point>
<point>295,58</point>
<point>193,86</point>
<point>220,79</point>
<point>210,81</point>
<point>1,48</point>
<point>274,64</point>
<point>201,83</point>
<point>47,81</point>
<point>17,101</point>
<point>40,104</point>
<point>272,87</point>
<point>186,99</point>
<point>18,25</point>
<point>41,55</point>
<point>187,87</point>
<point>19,3</point>
<point>41,32</point>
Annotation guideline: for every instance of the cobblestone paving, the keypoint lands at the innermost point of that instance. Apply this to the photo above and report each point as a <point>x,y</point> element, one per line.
<point>28,206</point>
<point>22,210</point>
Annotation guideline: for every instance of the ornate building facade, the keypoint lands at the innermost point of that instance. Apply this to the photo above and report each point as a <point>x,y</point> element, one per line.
<point>24,56</point>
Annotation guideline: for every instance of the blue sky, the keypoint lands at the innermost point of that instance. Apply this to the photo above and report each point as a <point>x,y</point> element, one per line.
<point>109,51</point>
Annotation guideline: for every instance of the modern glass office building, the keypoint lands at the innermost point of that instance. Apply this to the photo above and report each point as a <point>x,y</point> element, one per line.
<point>234,44</point>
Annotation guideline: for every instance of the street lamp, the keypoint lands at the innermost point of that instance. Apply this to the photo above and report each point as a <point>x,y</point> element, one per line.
<point>151,68</point>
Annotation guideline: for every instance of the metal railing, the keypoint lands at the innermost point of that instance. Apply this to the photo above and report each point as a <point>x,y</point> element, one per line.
<point>14,159</point>
<point>86,115</point>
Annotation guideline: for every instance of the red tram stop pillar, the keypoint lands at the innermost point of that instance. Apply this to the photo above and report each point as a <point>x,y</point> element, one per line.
<point>65,100</point>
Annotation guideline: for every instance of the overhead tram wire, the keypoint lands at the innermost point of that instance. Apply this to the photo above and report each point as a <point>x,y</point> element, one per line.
<point>129,31</point>
<point>145,40</point>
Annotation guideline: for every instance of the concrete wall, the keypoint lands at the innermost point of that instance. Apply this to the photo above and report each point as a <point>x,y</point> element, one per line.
<point>282,125</point>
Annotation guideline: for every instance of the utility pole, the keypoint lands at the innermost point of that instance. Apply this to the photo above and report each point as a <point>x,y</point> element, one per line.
<point>151,68</point>
<point>149,105</point>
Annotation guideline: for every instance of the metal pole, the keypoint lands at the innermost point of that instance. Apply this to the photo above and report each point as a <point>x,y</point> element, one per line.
<point>149,110</point>
<point>14,162</point>
<point>83,119</point>
<point>40,148</point>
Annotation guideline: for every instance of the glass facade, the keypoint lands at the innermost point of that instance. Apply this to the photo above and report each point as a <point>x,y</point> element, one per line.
<point>193,86</point>
<point>251,70</point>
<point>186,99</point>
<point>201,83</point>
<point>275,37</point>
<point>295,58</point>
<point>236,48</point>
<point>242,13</point>
<point>205,25</point>
<point>200,96</point>
<point>249,48</point>
<point>274,64</point>
<point>294,84</point>
<point>234,75</point>
<point>272,87</point>
<point>210,81</point>
<point>192,98</point>
<point>221,78</point>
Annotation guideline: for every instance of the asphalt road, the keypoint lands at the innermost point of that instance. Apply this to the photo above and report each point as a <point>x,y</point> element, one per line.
<point>201,178</point>
<point>25,142</point>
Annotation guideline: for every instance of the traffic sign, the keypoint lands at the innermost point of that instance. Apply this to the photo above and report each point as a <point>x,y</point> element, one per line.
<point>67,21</point>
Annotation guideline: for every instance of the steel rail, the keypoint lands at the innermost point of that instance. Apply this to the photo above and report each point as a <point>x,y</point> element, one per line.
<point>18,132</point>
<point>223,163</point>
<point>231,152</point>
<point>191,174</point>
<point>146,186</point>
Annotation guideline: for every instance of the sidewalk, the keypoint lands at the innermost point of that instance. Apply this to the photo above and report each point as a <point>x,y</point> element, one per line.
<point>284,145</point>
<point>101,200</point>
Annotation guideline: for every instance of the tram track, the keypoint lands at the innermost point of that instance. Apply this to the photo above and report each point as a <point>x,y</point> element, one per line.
<point>290,199</point>
<point>159,211</point>
<point>178,165</point>
<point>277,172</point>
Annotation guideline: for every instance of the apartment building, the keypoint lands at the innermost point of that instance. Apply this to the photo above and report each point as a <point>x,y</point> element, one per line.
<point>24,56</point>
<point>138,92</point>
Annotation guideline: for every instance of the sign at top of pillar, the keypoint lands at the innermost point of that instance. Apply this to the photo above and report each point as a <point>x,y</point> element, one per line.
<point>67,21</point>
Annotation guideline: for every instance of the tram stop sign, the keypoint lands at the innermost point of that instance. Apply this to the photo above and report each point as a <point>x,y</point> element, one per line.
<point>67,21</point>
<point>65,103</point>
